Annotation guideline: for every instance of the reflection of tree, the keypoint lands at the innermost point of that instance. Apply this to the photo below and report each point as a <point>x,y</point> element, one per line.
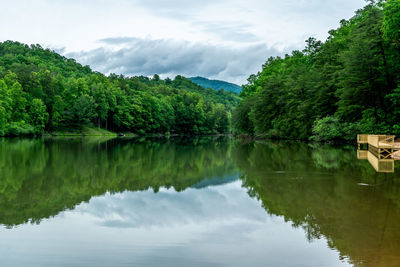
<point>317,188</point>
<point>39,178</point>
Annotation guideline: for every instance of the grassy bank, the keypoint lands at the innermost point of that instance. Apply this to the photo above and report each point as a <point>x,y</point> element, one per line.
<point>85,131</point>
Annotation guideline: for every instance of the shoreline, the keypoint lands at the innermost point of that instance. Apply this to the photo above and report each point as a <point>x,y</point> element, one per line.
<point>242,137</point>
<point>105,133</point>
<point>254,138</point>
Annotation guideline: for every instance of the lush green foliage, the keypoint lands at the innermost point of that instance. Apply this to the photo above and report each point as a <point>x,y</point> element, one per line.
<point>332,90</point>
<point>43,91</point>
<point>216,84</point>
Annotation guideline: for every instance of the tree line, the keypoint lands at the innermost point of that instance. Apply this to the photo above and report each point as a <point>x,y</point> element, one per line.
<point>331,90</point>
<point>42,91</point>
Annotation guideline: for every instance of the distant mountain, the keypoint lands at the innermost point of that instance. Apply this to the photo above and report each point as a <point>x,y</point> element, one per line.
<point>216,84</point>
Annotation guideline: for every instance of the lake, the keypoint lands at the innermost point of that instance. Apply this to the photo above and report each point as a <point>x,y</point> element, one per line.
<point>194,202</point>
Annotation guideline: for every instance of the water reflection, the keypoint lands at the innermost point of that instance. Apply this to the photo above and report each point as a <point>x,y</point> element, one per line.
<point>380,165</point>
<point>40,178</point>
<point>330,194</point>
<point>186,202</point>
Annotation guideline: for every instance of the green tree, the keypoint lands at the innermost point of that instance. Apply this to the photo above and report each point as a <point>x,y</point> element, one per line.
<point>75,96</point>
<point>391,22</point>
<point>84,110</point>
<point>38,115</point>
<point>332,89</point>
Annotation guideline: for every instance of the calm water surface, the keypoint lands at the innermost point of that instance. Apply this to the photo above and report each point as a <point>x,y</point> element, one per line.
<point>193,202</point>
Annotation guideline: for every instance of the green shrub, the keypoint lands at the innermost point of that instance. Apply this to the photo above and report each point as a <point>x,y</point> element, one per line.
<point>325,129</point>
<point>20,128</point>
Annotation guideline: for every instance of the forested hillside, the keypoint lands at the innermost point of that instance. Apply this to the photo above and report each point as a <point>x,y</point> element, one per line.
<point>333,90</point>
<point>216,84</point>
<point>42,91</point>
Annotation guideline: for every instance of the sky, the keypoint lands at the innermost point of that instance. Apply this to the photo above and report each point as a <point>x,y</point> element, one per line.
<point>217,39</point>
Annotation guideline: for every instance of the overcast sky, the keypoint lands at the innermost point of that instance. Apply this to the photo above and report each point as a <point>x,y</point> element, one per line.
<point>220,39</point>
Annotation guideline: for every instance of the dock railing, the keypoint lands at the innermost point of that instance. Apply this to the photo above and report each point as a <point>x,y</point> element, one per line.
<point>377,140</point>
<point>381,152</point>
<point>362,138</point>
<point>385,141</point>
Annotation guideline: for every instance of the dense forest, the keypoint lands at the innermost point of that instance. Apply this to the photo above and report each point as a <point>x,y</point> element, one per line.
<point>42,91</point>
<point>216,84</point>
<point>331,90</point>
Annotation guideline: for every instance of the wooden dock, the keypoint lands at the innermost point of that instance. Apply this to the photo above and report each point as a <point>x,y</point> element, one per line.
<point>383,146</point>
<point>380,150</point>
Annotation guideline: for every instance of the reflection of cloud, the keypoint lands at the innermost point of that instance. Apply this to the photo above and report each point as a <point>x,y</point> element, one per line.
<point>135,56</point>
<point>169,208</point>
<point>214,226</point>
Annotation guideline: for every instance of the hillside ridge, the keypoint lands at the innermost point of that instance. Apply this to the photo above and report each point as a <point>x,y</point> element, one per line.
<point>216,84</point>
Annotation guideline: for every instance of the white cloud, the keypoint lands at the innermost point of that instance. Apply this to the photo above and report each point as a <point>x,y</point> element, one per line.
<point>223,26</point>
<point>133,56</point>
